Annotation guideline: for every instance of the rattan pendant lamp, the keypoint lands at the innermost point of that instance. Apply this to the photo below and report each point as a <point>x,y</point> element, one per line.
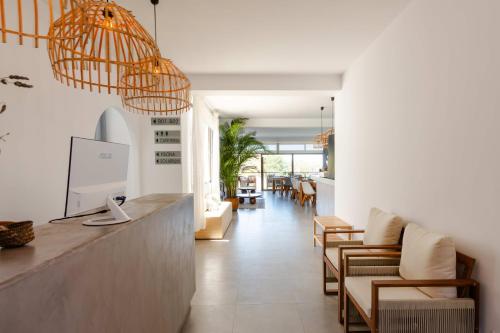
<point>92,45</point>
<point>29,21</point>
<point>326,134</point>
<point>155,85</point>
<point>319,141</point>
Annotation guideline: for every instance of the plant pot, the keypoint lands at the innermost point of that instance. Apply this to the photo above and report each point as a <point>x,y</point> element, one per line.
<point>235,202</point>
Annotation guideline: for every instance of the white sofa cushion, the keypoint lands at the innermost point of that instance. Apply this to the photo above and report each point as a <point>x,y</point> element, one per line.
<point>360,288</point>
<point>382,228</point>
<point>428,256</point>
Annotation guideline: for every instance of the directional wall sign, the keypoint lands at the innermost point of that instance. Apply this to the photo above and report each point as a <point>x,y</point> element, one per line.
<point>156,121</point>
<point>167,157</point>
<point>168,154</point>
<point>166,137</point>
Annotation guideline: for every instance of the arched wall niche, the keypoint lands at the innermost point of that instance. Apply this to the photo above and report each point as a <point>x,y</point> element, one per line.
<point>113,126</point>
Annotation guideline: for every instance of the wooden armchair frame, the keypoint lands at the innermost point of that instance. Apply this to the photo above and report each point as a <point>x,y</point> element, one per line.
<point>466,287</point>
<point>341,272</point>
<point>327,264</point>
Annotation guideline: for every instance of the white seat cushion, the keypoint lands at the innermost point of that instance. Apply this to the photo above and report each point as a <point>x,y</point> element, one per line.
<point>428,256</point>
<point>382,228</point>
<point>333,255</point>
<point>360,288</point>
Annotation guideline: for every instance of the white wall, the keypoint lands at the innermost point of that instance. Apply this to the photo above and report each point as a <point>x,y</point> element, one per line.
<point>34,160</point>
<point>202,185</point>
<point>158,178</point>
<point>122,127</point>
<point>418,131</point>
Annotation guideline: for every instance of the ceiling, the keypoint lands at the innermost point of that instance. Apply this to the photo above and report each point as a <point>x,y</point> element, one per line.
<point>263,36</point>
<point>274,134</point>
<point>286,40</point>
<point>271,106</point>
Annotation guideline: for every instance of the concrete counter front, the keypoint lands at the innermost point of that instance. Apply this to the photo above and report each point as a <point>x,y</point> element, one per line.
<point>133,277</point>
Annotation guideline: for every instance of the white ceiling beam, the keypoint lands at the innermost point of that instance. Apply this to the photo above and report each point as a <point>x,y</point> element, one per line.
<point>289,123</point>
<point>209,84</point>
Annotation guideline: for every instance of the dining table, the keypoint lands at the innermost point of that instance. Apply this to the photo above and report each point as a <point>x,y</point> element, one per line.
<point>278,180</point>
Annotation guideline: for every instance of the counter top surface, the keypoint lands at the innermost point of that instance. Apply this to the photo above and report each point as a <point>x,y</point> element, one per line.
<point>55,241</point>
<point>324,180</point>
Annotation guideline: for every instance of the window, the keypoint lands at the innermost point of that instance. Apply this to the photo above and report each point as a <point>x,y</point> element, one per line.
<point>273,148</point>
<point>252,170</point>
<point>291,147</point>
<point>275,165</point>
<point>280,165</point>
<point>307,164</point>
<point>283,160</point>
<point>311,147</point>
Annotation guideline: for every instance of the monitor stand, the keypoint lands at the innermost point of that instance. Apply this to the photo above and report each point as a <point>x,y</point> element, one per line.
<point>119,216</point>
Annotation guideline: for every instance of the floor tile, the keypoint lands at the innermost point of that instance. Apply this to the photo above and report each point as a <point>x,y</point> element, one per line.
<point>267,318</point>
<point>210,319</point>
<point>319,318</point>
<point>265,276</point>
<point>310,290</point>
<point>266,291</point>
<point>215,293</point>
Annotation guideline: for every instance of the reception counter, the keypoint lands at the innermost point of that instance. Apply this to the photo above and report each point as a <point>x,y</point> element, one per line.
<point>133,277</point>
<point>325,196</point>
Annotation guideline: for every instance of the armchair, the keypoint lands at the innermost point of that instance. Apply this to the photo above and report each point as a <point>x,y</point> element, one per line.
<point>430,292</point>
<point>383,233</point>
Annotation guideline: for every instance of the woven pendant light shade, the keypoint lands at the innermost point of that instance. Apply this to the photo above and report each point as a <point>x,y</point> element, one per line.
<point>156,85</point>
<point>320,142</point>
<point>30,19</point>
<point>92,45</point>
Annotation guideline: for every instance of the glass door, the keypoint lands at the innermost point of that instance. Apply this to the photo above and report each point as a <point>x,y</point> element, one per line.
<point>275,165</point>
<point>252,171</point>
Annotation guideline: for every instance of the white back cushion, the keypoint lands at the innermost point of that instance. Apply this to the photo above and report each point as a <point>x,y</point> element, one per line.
<point>382,228</point>
<point>428,256</point>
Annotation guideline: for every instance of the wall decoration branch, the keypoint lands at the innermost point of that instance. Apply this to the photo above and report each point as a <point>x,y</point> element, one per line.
<point>18,81</point>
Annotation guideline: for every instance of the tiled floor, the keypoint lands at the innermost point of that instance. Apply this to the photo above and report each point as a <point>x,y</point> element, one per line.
<point>264,277</point>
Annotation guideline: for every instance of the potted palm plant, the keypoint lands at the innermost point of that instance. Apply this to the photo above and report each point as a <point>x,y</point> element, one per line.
<point>236,148</point>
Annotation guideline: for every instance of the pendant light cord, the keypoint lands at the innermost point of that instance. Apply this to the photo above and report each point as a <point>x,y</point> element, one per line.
<point>333,113</point>
<point>155,2</point>
<point>322,108</point>
<point>156,39</point>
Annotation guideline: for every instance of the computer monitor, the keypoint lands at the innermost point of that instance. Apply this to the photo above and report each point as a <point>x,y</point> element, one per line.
<point>97,173</point>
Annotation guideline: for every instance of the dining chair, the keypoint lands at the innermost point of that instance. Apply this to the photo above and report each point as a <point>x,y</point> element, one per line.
<point>307,193</point>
